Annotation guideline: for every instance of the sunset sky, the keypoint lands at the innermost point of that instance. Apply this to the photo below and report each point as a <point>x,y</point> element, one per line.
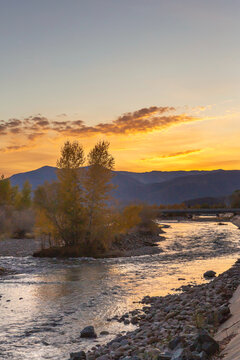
<point>159,79</point>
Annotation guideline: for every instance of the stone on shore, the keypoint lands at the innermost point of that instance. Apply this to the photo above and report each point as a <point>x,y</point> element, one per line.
<point>204,342</point>
<point>209,274</point>
<point>2,271</point>
<point>104,332</point>
<point>88,332</point>
<point>80,355</point>
<point>176,326</point>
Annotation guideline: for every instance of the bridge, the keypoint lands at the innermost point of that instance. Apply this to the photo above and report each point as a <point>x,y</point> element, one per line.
<point>198,211</point>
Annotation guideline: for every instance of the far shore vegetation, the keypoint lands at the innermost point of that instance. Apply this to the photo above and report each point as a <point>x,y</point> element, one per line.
<point>77,215</point>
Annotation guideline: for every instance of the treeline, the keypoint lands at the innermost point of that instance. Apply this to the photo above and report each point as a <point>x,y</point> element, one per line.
<point>231,202</point>
<point>16,214</point>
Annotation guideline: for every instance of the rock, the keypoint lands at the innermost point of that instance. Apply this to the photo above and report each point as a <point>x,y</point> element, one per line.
<point>204,342</point>
<point>88,332</point>
<point>2,271</point>
<point>103,357</point>
<point>134,320</point>
<point>152,354</point>
<point>210,347</point>
<point>104,332</point>
<point>78,355</point>
<point>202,355</point>
<point>182,354</point>
<point>173,343</point>
<point>164,357</point>
<point>209,274</point>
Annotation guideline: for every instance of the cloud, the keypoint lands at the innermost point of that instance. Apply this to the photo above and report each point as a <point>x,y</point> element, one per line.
<point>140,121</point>
<point>14,148</point>
<point>182,153</point>
<point>35,135</point>
<point>171,155</point>
<point>145,120</point>
<point>62,115</point>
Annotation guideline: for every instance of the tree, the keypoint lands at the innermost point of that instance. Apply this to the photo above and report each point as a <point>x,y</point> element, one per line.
<point>23,199</point>
<point>235,199</point>
<point>97,183</point>
<point>5,191</point>
<point>62,202</point>
<point>70,178</point>
<point>76,209</point>
<point>48,218</point>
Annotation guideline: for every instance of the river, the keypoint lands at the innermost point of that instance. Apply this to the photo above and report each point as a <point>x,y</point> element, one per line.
<point>46,302</point>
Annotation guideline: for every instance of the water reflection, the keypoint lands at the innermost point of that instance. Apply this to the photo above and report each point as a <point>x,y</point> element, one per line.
<point>60,297</point>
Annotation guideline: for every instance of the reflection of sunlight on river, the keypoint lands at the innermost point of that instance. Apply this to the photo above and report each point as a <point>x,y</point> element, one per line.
<point>60,297</point>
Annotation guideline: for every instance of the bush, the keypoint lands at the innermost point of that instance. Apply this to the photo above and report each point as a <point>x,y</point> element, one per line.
<point>16,223</point>
<point>22,223</point>
<point>5,222</point>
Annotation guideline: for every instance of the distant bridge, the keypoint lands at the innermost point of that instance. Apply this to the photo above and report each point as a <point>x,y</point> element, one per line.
<point>198,211</point>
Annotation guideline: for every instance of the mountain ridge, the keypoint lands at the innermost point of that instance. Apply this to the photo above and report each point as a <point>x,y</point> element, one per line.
<point>154,187</point>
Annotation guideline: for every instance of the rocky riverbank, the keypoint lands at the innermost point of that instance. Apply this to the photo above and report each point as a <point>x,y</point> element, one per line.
<point>174,327</point>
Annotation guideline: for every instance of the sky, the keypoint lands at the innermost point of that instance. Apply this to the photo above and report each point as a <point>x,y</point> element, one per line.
<point>158,79</point>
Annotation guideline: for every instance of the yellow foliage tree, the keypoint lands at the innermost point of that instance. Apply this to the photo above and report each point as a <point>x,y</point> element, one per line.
<point>70,192</point>
<point>97,184</point>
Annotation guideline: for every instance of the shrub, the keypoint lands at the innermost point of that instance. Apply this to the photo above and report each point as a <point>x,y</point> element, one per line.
<point>22,223</point>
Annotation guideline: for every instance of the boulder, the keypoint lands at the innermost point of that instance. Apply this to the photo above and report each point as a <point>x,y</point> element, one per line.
<point>174,342</point>
<point>78,356</point>
<point>209,274</point>
<point>204,342</point>
<point>88,332</point>
<point>134,320</point>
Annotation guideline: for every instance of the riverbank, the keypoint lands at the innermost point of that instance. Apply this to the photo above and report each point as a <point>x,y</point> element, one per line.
<point>47,302</point>
<point>178,326</point>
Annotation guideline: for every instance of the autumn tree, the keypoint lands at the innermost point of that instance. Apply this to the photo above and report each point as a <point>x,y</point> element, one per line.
<point>235,199</point>
<point>129,217</point>
<point>48,219</point>
<point>70,192</point>
<point>23,198</point>
<point>5,192</point>
<point>97,184</point>
<point>76,212</point>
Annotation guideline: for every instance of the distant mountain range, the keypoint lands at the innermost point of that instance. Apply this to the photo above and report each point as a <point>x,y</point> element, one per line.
<point>155,187</point>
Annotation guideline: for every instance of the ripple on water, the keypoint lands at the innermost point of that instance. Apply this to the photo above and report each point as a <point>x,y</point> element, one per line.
<point>60,297</point>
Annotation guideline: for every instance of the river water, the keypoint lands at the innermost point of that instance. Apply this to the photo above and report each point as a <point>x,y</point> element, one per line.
<point>46,303</point>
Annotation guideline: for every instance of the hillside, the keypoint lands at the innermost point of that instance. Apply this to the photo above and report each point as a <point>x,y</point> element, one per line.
<point>156,187</point>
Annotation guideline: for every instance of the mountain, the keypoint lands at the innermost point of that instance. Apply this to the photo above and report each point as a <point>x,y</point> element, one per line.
<point>35,177</point>
<point>155,187</point>
<point>218,183</point>
<point>159,176</point>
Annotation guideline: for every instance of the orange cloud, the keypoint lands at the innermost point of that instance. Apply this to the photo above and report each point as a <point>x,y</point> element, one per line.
<point>15,148</point>
<point>176,154</point>
<point>140,121</point>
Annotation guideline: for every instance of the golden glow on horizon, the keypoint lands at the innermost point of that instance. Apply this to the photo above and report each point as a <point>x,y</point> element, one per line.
<point>152,141</point>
